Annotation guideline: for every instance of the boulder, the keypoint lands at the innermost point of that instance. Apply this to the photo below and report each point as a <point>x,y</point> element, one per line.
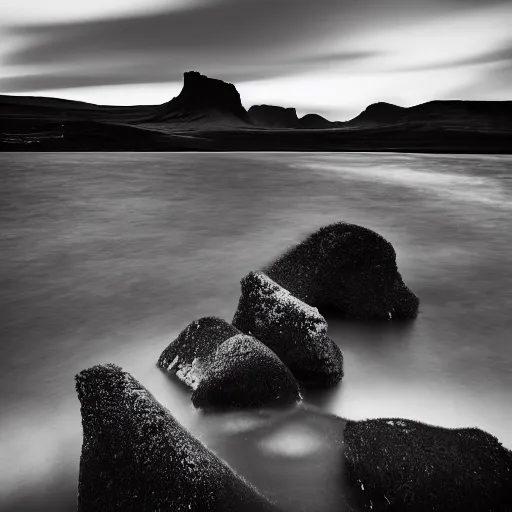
<point>404,465</point>
<point>243,372</point>
<point>348,268</point>
<point>183,355</point>
<point>296,332</point>
<point>137,457</point>
<point>224,368</point>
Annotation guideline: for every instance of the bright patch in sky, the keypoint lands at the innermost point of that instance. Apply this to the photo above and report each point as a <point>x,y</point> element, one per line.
<point>442,40</point>
<point>51,11</point>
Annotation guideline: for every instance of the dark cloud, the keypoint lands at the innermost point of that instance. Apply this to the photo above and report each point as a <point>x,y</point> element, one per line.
<point>232,39</point>
<point>235,40</point>
<point>222,29</point>
<point>155,72</point>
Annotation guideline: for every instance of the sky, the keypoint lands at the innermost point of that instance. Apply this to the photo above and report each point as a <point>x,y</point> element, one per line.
<point>331,57</point>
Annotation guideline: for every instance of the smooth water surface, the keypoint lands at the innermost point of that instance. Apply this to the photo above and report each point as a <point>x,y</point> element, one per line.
<point>106,257</point>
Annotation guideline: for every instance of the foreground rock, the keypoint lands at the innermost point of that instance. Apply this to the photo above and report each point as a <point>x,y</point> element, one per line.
<point>226,368</point>
<point>243,372</point>
<point>192,345</point>
<point>137,457</point>
<point>349,268</point>
<point>296,332</point>
<point>404,465</point>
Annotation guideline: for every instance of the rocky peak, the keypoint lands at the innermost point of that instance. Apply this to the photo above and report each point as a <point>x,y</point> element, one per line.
<point>202,96</point>
<point>273,117</point>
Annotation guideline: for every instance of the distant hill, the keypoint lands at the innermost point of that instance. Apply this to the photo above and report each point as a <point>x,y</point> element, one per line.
<point>208,115</point>
<point>271,116</point>
<point>470,115</point>
<point>316,122</point>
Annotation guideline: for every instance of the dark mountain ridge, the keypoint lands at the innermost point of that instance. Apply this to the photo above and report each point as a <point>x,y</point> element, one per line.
<point>271,116</point>
<point>208,115</point>
<point>491,115</point>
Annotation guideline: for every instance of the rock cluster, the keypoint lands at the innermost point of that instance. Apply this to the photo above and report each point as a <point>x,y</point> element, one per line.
<point>404,465</point>
<point>225,368</point>
<point>341,265</point>
<point>137,457</point>
<point>349,268</point>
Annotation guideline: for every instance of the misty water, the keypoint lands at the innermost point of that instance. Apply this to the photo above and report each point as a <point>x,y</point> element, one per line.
<point>106,257</point>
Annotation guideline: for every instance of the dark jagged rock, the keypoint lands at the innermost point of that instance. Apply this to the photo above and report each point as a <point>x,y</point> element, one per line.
<point>242,372</point>
<point>204,99</point>
<point>314,121</point>
<point>137,457</point>
<point>273,117</point>
<point>349,268</point>
<point>296,332</point>
<point>404,465</point>
<point>237,370</point>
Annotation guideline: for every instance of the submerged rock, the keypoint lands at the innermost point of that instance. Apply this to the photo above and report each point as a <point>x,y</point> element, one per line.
<point>296,332</point>
<point>137,457</point>
<point>349,268</point>
<point>405,465</point>
<point>244,372</point>
<point>226,368</point>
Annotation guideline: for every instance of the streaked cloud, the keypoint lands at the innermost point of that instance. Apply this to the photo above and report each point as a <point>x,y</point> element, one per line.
<point>37,12</point>
<point>332,55</point>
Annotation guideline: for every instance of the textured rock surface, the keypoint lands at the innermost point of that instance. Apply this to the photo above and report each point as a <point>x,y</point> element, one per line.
<point>403,465</point>
<point>237,370</point>
<point>183,355</point>
<point>296,332</point>
<point>243,372</point>
<point>347,267</point>
<point>137,457</point>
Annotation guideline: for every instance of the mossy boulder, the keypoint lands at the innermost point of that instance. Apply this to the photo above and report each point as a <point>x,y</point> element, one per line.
<point>224,368</point>
<point>242,372</point>
<point>137,457</point>
<point>183,355</point>
<point>408,466</point>
<point>296,332</point>
<point>348,268</point>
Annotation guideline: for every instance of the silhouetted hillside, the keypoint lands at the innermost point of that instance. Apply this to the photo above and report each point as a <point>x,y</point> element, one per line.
<point>314,121</point>
<point>204,100</point>
<point>208,115</point>
<point>270,116</point>
<point>470,115</point>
